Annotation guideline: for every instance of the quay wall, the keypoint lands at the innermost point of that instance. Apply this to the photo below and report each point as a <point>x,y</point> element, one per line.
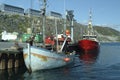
<point>11,57</point>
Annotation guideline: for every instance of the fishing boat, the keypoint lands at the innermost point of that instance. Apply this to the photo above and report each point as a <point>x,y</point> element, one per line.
<point>39,58</point>
<point>89,40</point>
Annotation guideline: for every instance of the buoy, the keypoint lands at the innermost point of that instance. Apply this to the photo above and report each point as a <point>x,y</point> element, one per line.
<point>66,59</point>
<point>67,32</point>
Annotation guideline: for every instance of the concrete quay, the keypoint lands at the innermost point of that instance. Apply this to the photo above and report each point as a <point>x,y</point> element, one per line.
<point>10,55</point>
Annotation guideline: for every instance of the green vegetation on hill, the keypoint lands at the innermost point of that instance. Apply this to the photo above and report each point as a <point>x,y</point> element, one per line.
<point>17,23</point>
<point>107,31</point>
<point>107,34</point>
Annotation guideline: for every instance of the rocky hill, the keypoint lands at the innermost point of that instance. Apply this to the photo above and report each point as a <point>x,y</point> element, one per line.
<point>106,34</point>
<point>16,23</point>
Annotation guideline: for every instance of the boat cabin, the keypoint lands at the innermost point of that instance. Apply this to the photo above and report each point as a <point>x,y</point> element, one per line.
<point>91,37</point>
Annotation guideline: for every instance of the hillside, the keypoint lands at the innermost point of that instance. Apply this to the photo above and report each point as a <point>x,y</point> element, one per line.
<point>16,23</point>
<point>106,34</point>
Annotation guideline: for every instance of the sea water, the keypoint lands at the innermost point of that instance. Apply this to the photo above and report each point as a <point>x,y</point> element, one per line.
<point>104,66</point>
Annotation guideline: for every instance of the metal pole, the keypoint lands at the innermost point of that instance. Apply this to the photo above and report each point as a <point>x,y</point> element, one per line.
<point>56,35</point>
<point>29,54</point>
<point>65,13</point>
<point>72,31</point>
<point>44,20</point>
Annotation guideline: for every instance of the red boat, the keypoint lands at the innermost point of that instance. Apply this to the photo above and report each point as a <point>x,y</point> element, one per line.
<point>89,39</point>
<point>88,43</point>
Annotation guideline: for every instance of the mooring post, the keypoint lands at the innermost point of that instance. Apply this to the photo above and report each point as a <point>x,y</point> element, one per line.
<point>17,63</point>
<point>3,61</point>
<point>10,60</point>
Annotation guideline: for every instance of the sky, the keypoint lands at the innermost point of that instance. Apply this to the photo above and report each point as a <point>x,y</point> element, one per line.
<point>104,12</point>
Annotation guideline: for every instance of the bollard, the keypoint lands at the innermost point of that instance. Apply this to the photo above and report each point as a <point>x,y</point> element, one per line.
<point>16,60</point>
<point>16,63</point>
<point>3,64</point>
<point>10,60</point>
<point>3,61</point>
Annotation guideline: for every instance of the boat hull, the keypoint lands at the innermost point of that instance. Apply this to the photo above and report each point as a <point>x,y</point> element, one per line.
<point>87,45</point>
<point>40,59</point>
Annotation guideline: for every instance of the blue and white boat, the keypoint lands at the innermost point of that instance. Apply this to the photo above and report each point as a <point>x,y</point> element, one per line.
<point>37,58</point>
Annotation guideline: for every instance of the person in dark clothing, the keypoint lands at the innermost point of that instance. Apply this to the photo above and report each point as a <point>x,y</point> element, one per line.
<point>31,40</point>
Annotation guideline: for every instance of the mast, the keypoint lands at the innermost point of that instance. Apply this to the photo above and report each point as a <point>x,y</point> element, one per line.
<point>90,28</point>
<point>44,20</point>
<point>70,18</point>
<point>72,31</point>
<point>56,31</point>
<point>90,19</point>
<point>65,13</point>
<point>29,49</point>
<point>33,24</point>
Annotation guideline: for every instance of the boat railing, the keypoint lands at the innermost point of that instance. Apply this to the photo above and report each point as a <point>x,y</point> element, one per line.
<point>63,44</point>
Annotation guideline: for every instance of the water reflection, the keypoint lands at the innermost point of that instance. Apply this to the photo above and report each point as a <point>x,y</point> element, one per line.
<point>54,74</point>
<point>89,56</point>
<point>12,74</point>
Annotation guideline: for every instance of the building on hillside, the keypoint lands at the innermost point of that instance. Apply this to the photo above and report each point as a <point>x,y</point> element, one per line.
<point>33,12</point>
<point>9,9</point>
<point>53,15</point>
